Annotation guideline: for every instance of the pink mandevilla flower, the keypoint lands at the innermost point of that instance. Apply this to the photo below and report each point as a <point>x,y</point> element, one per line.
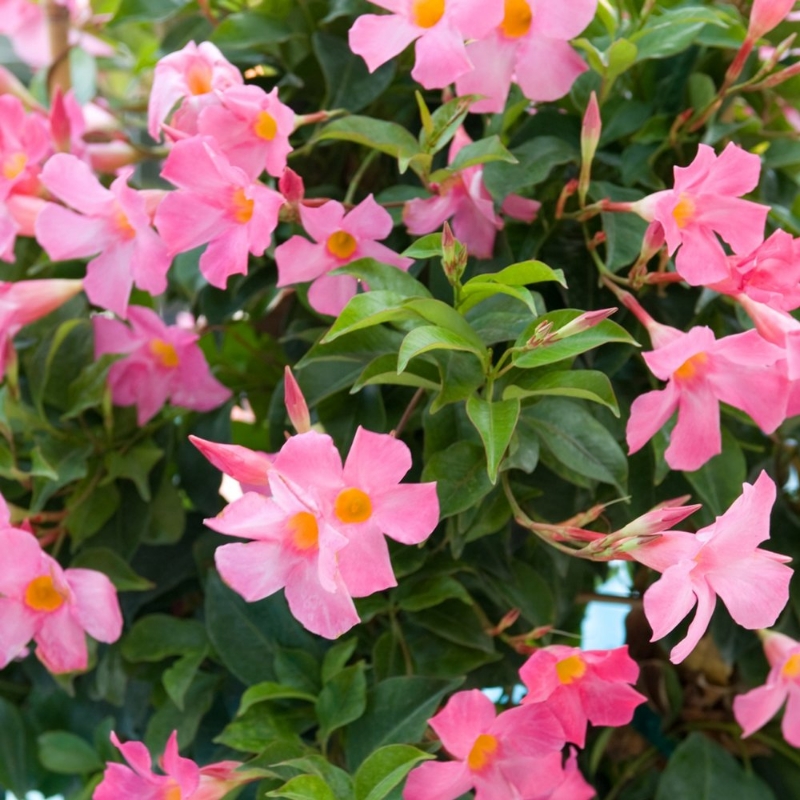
<point>515,754</point>
<point>704,202</point>
<point>722,560</point>
<point>183,779</point>
<point>218,204</point>
<point>161,363</point>
<point>582,686</point>
<point>339,238</point>
<point>112,222</point>
<point>194,76</point>
<point>464,197</point>
<point>757,707</point>
<point>530,47</point>
<point>54,607</point>
<point>439,27</point>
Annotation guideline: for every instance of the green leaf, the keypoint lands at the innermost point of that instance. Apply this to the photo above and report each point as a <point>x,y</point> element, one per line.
<point>385,769</point>
<point>584,384</point>
<point>460,475</point>
<point>336,658</point>
<point>92,511</point>
<point>13,750</point>
<point>342,700</point>
<point>304,787</point>
<point>429,246</point>
<point>158,636</point>
<point>135,465</point>
<point>719,481</point>
<point>337,779</point>
<point>460,376</point>
<point>473,154</point>
<point>384,370</point>
<point>673,31</point>
<point>366,310</point>
<point>495,422</point>
<point>268,690</point>
<point>384,277</point>
<point>444,123</point>
<point>113,566</point>
<point>167,517</point>
<point>432,337</point>
<point>416,595</point>
<point>620,57</point>
<point>88,389</point>
<point>147,10</point>
<point>445,316</point>
<point>65,753</point>
<point>179,677</point>
<point>511,281</point>
<point>245,30</point>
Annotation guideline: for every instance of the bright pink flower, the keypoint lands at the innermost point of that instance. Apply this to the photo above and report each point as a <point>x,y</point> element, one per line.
<point>582,686</point>
<point>704,202</point>
<point>54,607</point>
<point>778,327</point>
<point>722,559</point>
<point>440,28</point>
<point>195,76</point>
<point>162,363</point>
<point>112,222</point>
<point>574,786</point>
<point>464,198</point>
<point>216,203</point>
<point>529,46</point>
<point>766,15</point>
<point>339,238</point>
<point>515,754</point>
<point>757,707</point>
<point>251,127</point>
<point>24,142</point>
<point>183,779</point>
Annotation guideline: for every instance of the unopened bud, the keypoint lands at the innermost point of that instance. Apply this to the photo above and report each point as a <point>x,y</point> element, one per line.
<point>582,323</point>
<point>777,78</point>
<point>296,406</point>
<point>590,136</point>
<point>506,622</point>
<point>291,186</point>
<point>60,127</point>
<point>766,15</point>
<point>454,256</point>
<point>542,334</point>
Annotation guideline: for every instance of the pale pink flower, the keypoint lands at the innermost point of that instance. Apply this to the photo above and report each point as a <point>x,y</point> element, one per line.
<point>704,202</point>
<point>515,754</point>
<point>529,46</point>
<point>161,363</point>
<point>251,127</point>
<point>112,222</point>
<point>464,198</point>
<point>52,606</point>
<point>194,76</point>
<point>757,707</point>
<point>249,468</point>
<point>778,327</point>
<point>582,686</point>
<point>722,560</point>
<point>217,204</point>
<point>439,27</point>
<point>24,143</point>
<point>339,238</point>
<point>182,778</point>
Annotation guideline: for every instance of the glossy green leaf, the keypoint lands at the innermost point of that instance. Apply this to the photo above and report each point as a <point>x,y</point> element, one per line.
<point>471,155</point>
<point>158,636</point>
<point>384,277</point>
<point>384,370</point>
<point>111,564</point>
<point>304,787</point>
<point>342,700</point>
<point>366,310</point>
<point>429,246</point>
<point>336,658</point>
<point>460,475</point>
<point>269,690</point>
<point>178,678</point>
<point>584,384</point>
<point>432,337</point>
<point>385,769</point>
<point>495,422</point>
<point>67,754</point>
<point>672,31</point>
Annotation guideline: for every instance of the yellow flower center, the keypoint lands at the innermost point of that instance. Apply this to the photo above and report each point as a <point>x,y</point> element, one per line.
<point>13,165</point>
<point>483,752</point>
<point>570,669</point>
<point>123,225</point>
<point>517,19</point>
<point>683,211</point>
<point>265,126</point>
<point>242,206</point>
<point>42,595</point>
<point>173,792</point>
<point>341,244</point>
<point>164,353</point>
<point>791,669</point>
<point>353,505</point>
<point>690,368</point>
<point>198,78</point>
<point>304,531</point>
<point>426,13</point>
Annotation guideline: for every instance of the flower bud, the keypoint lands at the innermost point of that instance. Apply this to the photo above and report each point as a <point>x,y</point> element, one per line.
<point>590,136</point>
<point>296,405</point>
<point>454,256</point>
<point>766,15</point>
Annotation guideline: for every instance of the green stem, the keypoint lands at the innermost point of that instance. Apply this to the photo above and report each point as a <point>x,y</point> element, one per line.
<point>364,166</point>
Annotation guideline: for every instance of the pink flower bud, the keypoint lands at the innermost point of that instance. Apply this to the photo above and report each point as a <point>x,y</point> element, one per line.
<point>582,323</point>
<point>291,186</point>
<point>296,405</point>
<point>590,136</point>
<point>766,15</point>
<point>60,126</point>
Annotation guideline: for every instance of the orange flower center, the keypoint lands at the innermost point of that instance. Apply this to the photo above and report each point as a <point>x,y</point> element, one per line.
<point>426,13</point>
<point>791,669</point>
<point>122,224</point>
<point>691,367</point>
<point>517,19</point>
<point>198,78</point>
<point>683,211</point>
<point>341,244</point>
<point>304,531</point>
<point>265,126</point>
<point>483,752</point>
<point>42,595</point>
<point>13,165</point>
<point>173,792</point>
<point>353,505</point>
<point>242,206</point>
<point>570,669</point>
<point>164,353</point>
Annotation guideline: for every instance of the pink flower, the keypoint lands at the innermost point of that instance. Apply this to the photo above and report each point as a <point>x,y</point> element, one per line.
<point>55,607</point>
<point>722,559</point>
<point>574,786</point>
<point>766,15</point>
<point>463,197</point>
<point>339,238</point>
<point>529,46</point>
<point>703,203</point>
<point>216,203</point>
<point>194,76</point>
<point>251,127</point>
<point>112,222</point>
<point>250,468</point>
<point>439,26</point>
<point>162,363</point>
<point>755,708</point>
<point>183,779</point>
<point>24,142</point>
<point>515,754</point>
<point>582,686</point>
